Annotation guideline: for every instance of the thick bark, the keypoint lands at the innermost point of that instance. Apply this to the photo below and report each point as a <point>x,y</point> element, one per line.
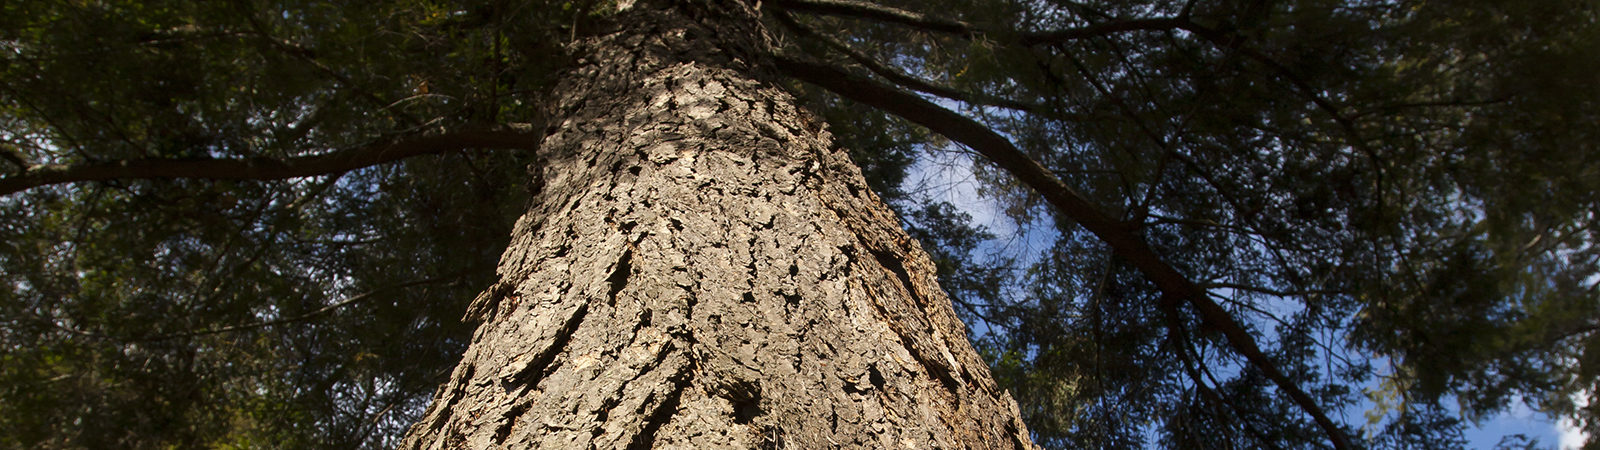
<point>701,269</point>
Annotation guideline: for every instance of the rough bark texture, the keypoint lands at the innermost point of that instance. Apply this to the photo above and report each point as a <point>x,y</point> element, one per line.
<point>700,269</point>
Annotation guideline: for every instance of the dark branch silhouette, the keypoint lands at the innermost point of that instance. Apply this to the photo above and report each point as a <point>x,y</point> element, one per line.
<point>876,12</point>
<point>1183,22</point>
<point>264,168</point>
<point>925,22</point>
<point>914,83</point>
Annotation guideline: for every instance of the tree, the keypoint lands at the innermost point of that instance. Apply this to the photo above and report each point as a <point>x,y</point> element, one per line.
<point>702,269</point>
<point>696,263</point>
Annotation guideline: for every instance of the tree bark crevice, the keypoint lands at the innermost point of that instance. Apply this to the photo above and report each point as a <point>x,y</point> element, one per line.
<point>695,273</point>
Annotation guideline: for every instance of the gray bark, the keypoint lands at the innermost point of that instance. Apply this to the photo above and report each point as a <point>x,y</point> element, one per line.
<point>701,269</point>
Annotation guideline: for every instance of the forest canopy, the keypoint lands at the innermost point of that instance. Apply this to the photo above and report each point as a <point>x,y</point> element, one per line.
<point>1257,222</point>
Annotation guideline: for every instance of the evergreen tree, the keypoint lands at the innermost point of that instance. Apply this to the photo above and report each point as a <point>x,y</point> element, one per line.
<point>259,224</point>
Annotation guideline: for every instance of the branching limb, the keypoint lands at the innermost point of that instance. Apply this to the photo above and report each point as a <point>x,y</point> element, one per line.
<point>1182,346</point>
<point>849,8</point>
<point>1188,8</point>
<point>309,57</point>
<point>265,168</point>
<point>1270,291</point>
<point>11,155</point>
<point>865,10</point>
<point>1183,22</point>
<point>1119,236</point>
<point>897,77</point>
<point>1102,29</point>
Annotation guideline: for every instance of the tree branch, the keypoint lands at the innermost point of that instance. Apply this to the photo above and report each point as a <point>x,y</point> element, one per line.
<point>1102,29</point>
<point>262,168</point>
<point>849,8</point>
<point>11,155</point>
<point>1182,346</point>
<point>876,12</point>
<point>1183,22</point>
<point>304,54</point>
<point>1119,236</point>
<point>911,82</point>
<point>1270,291</point>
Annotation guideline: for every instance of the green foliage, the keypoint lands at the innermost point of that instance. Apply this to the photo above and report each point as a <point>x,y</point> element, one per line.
<point>191,313</point>
<point>1397,198</point>
<point>1396,194</point>
<point>883,146</point>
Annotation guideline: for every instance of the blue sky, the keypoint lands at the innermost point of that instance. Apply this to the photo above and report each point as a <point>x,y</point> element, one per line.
<point>947,176</point>
<point>1521,420</point>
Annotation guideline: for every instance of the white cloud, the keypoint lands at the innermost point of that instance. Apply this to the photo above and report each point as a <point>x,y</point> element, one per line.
<point>1573,437</point>
<point>944,175</point>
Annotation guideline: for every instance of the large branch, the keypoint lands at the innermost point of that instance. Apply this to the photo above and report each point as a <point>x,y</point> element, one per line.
<point>850,8</point>
<point>1119,236</point>
<point>876,12</point>
<point>264,168</point>
<point>863,10</point>
<point>911,82</point>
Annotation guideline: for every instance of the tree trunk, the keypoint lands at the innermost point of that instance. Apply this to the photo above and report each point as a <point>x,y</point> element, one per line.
<point>701,269</point>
